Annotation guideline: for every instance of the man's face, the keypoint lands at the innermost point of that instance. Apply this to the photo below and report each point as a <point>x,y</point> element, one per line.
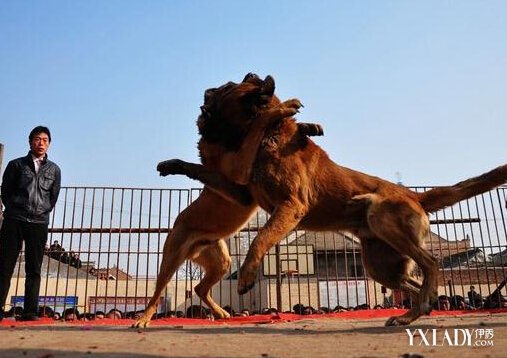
<point>39,144</point>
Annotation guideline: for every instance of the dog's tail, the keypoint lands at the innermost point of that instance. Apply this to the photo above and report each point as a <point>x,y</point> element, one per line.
<point>441,197</point>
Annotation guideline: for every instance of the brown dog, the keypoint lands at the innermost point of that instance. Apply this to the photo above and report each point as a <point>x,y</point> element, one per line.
<point>294,179</point>
<point>219,212</point>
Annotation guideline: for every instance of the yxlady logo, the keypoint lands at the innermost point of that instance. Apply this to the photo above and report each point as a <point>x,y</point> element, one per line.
<point>457,337</point>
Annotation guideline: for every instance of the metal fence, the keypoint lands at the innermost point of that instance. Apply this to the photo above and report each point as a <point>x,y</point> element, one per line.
<point>113,239</point>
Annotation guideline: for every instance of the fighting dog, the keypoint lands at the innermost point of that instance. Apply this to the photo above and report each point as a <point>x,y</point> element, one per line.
<point>295,180</point>
<point>199,231</point>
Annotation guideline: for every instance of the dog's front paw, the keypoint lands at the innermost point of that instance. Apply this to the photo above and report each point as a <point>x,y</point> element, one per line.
<point>290,107</point>
<point>171,166</point>
<point>292,103</point>
<point>220,313</point>
<point>397,321</point>
<point>142,322</point>
<point>246,280</point>
<point>283,110</point>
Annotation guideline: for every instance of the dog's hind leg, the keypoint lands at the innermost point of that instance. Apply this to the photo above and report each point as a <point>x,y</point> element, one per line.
<point>205,221</point>
<point>413,287</point>
<point>403,225</point>
<point>383,263</point>
<point>388,267</point>
<point>177,248</point>
<point>215,261</point>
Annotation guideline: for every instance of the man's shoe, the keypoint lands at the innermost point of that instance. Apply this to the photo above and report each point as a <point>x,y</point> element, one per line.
<point>25,318</point>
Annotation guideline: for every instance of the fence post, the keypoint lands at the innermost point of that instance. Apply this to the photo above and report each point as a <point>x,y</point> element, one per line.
<point>1,206</point>
<point>278,279</point>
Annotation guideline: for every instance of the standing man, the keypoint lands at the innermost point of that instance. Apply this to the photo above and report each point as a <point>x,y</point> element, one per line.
<point>474,298</point>
<point>30,188</point>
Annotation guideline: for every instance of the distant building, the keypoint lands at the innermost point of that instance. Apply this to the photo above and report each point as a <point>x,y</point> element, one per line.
<point>499,259</point>
<point>112,273</point>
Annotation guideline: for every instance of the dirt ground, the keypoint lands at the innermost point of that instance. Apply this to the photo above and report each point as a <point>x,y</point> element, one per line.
<point>325,337</point>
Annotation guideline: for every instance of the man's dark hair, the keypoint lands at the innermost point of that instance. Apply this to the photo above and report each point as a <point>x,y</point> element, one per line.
<point>39,130</point>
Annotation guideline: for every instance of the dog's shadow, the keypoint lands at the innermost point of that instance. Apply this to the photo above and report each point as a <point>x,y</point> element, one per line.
<point>305,330</point>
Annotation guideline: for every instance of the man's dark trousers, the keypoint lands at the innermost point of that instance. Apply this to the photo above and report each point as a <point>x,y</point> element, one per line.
<point>12,235</point>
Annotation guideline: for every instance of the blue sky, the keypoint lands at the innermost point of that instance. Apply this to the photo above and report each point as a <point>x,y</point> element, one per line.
<point>416,87</point>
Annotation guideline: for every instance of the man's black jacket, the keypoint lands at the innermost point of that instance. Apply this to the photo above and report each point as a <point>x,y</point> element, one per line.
<point>30,196</point>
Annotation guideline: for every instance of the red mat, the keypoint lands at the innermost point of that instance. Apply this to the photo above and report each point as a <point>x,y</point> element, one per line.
<point>255,319</point>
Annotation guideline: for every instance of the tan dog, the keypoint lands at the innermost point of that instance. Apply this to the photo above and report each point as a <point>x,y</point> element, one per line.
<point>294,179</point>
<point>199,230</point>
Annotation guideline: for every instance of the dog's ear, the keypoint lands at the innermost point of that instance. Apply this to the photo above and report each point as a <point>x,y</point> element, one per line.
<point>261,94</point>
<point>267,90</point>
<point>251,77</point>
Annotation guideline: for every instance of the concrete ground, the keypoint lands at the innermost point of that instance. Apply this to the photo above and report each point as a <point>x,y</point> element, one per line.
<point>473,335</point>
